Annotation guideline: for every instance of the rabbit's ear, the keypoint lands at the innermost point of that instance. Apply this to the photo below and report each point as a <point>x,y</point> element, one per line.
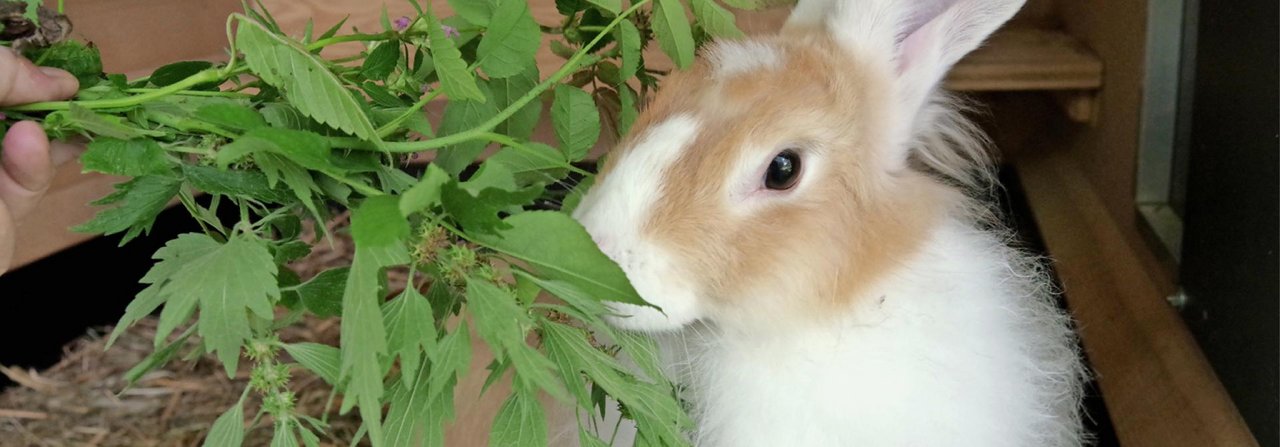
<point>921,38</point>
<point>933,35</point>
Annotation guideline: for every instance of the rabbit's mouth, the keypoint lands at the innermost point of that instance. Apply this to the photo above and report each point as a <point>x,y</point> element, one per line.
<point>658,283</point>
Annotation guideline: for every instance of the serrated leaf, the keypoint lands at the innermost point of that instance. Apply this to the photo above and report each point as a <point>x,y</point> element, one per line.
<point>303,78</point>
<point>460,116</point>
<point>82,61</point>
<point>283,436</point>
<point>378,223</point>
<point>322,294</point>
<point>475,11</point>
<point>139,202</point>
<point>671,28</point>
<point>506,92</point>
<point>177,71</point>
<point>408,319</point>
<point>520,422</point>
<point>613,6</point>
<point>237,276</point>
<point>424,194</point>
<point>478,213</point>
<point>455,79</point>
<point>576,120</point>
<point>228,429</point>
<point>234,182</point>
<point>628,109</point>
<point>98,124</point>
<point>307,149</point>
<point>531,163</point>
<point>381,61</point>
<point>295,177</point>
<point>716,20</point>
<point>134,158</point>
<point>561,249</point>
<point>323,360</point>
<point>511,42</point>
<point>503,325</point>
<point>417,416</point>
<point>231,116</point>
<point>630,46</point>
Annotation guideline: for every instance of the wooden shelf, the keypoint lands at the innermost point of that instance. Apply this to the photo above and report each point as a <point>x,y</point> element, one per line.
<point>1028,59</point>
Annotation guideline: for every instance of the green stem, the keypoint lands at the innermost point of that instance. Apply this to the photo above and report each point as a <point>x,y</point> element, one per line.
<point>319,44</point>
<point>202,77</point>
<point>578,60</point>
<point>222,94</point>
<point>362,188</point>
<point>393,125</point>
<point>511,142</point>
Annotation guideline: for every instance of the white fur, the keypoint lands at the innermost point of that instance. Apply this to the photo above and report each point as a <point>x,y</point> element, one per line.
<point>961,347</point>
<point>741,56</point>
<point>613,213</point>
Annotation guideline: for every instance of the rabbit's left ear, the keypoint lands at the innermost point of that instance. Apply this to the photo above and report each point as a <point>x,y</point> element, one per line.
<point>923,39</point>
<point>932,35</point>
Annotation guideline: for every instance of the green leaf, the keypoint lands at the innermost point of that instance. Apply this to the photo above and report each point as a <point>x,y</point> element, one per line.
<point>177,71</point>
<point>520,422</point>
<point>378,230</point>
<point>416,416</point>
<point>456,80</point>
<point>83,62</point>
<point>450,360</point>
<point>134,158</point>
<point>98,124</point>
<point>333,30</point>
<point>478,213</point>
<point>613,6</point>
<point>378,223</point>
<point>576,120</point>
<point>381,61</point>
<point>460,116</point>
<point>511,42</point>
<point>671,27</point>
<point>507,91</point>
<point>475,11</point>
<point>426,193</point>
<point>531,163</point>
<point>408,319</point>
<point>628,109</point>
<point>283,436</point>
<point>231,116</point>
<point>228,429</point>
<point>323,360</point>
<point>235,277</point>
<point>303,78</point>
<point>156,359</point>
<point>630,46</point>
<point>322,294</point>
<point>561,249</point>
<point>140,201</point>
<point>233,182</point>
<point>295,177</point>
<point>504,325</point>
<point>716,20</point>
<point>307,149</point>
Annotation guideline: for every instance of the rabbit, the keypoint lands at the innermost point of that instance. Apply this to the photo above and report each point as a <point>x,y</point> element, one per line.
<point>808,212</point>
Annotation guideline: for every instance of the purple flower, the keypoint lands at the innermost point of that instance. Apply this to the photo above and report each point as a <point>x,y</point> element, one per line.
<point>402,23</point>
<point>3,116</point>
<point>450,31</point>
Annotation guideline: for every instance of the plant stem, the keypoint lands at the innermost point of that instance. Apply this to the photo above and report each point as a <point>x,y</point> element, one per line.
<point>319,44</point>
<point>393,125</point>
<point>578,60</point>
<point>511,142</point>
<point>202,77</point>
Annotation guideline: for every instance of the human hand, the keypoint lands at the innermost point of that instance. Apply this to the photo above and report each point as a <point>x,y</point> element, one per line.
<point>27,158</point>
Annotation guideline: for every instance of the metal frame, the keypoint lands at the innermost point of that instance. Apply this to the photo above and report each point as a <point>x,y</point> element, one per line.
<point>1166,108</point>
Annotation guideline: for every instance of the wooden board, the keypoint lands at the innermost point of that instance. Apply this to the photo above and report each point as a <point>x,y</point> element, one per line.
<point>1158,387</point>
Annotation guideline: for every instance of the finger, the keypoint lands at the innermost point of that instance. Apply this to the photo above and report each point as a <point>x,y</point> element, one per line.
<point>7,234</point>
<point>60,152</point>
<point>26,169</point>
<point>21,82</point>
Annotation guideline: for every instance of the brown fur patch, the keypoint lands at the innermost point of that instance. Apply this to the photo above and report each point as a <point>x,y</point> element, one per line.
<point>819,245</point>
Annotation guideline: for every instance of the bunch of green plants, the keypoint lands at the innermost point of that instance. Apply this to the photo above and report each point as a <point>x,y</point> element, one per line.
<point>283,137</point>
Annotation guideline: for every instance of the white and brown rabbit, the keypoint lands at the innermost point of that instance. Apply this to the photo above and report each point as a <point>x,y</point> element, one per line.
<point>801,208</point>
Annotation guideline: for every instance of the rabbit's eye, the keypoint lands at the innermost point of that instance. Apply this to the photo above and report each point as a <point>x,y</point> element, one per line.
<point>783,171</point>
